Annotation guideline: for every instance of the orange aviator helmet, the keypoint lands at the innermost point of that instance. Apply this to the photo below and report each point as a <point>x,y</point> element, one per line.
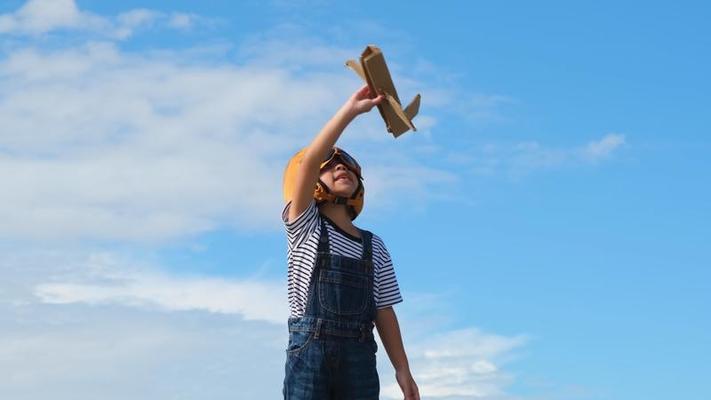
<point>322,193</point>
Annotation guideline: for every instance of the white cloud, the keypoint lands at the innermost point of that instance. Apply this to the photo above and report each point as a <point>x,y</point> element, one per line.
<point>103,144</point>
<point>109,278</point>
<point>128,22</point>
<point>37,17</point>
<point>182,20</point>
<point>602,148</point>
<point>299,53</point>
<point>483,107</point>
<point>41,16</point>
<point>83,352</point>
<point>417,181</point>
<point>525,157</point>
<point>462,364</point>
<point>252,300</point>
<point>167,339</point>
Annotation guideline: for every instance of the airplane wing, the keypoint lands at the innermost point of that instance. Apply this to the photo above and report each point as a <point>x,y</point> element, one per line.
<point>352,64</point>
<point>397,108</point>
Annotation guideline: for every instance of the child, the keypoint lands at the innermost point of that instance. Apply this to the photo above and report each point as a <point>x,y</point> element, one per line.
<point>341,278</point>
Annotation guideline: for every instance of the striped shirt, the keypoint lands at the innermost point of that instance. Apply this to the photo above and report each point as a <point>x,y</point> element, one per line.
<point>303,234</point>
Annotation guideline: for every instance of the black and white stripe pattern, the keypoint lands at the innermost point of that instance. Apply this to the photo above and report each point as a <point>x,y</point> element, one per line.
<point>303,234</point>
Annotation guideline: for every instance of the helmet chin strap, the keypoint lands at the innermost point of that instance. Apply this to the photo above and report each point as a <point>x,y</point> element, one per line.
<point>332,198</point>
<point>351,203</point>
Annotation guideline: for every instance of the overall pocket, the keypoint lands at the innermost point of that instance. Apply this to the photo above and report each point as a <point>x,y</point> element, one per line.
<point>298,341</point>
<point>343,293</point>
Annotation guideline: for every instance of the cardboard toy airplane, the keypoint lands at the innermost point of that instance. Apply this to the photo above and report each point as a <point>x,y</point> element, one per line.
<point>373,70</point>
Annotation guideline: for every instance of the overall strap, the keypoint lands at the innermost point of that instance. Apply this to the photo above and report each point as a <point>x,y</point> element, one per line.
<point>367,238</point>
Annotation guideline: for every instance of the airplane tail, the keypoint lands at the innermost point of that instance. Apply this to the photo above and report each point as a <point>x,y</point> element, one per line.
<point>397,108</point>
<point>412,108</point>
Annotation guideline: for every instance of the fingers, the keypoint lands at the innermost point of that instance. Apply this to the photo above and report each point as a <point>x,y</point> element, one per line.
<point>375,101</point>
<point>361,102</point>
<point>370,105</point>
<point>363,92</point>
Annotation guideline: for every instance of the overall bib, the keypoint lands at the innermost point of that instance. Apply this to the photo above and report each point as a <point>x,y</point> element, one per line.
<point>331,351</point>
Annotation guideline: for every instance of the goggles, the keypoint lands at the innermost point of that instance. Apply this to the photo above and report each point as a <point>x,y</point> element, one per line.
<point>337,154</point>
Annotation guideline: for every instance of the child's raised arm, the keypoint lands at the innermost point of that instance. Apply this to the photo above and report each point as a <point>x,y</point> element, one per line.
<point>308,172</point>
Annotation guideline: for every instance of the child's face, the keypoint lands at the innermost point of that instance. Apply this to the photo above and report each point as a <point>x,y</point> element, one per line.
<point>340,180</point>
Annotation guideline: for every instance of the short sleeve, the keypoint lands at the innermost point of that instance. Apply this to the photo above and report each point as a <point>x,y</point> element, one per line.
<point>298,230</point>
<point>387,290</point>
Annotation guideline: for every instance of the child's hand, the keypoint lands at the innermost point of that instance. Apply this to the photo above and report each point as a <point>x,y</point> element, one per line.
<point>360,102</point>
<point>407,384</point>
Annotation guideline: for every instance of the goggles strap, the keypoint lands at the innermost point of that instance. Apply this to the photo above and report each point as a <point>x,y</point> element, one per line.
<point>324,187</point>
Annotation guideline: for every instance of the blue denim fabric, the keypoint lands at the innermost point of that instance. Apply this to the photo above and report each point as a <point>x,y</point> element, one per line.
<point>331,351</point>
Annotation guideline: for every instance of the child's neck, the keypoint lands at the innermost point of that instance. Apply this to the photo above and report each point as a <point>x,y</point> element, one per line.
<point>339,215</point>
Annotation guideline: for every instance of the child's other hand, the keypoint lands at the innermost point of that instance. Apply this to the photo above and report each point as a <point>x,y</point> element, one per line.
<point>360,102</point>
<point>407,384</point>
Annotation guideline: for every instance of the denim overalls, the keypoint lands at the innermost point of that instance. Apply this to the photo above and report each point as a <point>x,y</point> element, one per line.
<point>331,351</point>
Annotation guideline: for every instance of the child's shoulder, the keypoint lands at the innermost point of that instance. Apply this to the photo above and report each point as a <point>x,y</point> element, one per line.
<point>377,241</point>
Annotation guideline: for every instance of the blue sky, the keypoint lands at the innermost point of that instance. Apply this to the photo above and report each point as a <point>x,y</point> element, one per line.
<point>548,221</point>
